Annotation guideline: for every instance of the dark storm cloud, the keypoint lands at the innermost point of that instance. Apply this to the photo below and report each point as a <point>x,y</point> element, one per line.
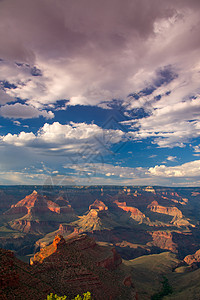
<point>91,51</point>
<point>53,27</point>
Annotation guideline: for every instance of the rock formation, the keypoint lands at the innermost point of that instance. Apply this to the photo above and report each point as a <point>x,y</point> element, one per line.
<point>163,240</point>
<point>98,205</point>
<point>66,267</point>
<point>33,226</point>
<point>36,203</point>
<point>171,211</point>
<point>136,214</point>
<point>79,264</point>
<point>178,218</point>
<point>17,280</point>
<point>6,200</point>
<point>193,259</point>
<point>95,219</point>
<point>39,214</point>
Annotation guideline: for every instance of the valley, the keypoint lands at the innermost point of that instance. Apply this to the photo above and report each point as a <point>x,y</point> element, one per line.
<point>150,232</point>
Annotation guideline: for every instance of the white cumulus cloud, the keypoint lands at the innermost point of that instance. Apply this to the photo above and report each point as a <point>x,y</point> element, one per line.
<point>71,138</point>
<point>190,169</point>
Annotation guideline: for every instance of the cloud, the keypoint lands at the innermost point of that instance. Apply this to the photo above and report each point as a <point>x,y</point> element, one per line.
<point>190,169</point>
<point>142,55</point>
<point>89,52</point>
<point>171,158</point>
<point>15,177</point>
<point>187,174</point>
<point>5,98</point>
<point>196,148</point>
<point>74,138</point>
<point>23,111</point>
<point>170,125</point>
<point>109,170</point>
<point>17,123</point>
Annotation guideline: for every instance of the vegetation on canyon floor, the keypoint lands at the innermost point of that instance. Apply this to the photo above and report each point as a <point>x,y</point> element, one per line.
<point>86,296</point>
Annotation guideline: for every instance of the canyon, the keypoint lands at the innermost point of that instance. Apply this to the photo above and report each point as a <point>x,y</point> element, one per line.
<point>124,223</point>
<point>69,266</point>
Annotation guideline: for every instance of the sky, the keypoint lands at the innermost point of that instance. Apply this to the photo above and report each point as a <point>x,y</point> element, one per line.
<point>100,92</point>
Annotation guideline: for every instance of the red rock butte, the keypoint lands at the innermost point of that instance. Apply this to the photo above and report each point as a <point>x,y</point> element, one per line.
<point>136,214</point>
<point>193,259</point>
<point>171,211</point>
<point>38,214</point>
<point>36,203</point>
<point>98,205</point>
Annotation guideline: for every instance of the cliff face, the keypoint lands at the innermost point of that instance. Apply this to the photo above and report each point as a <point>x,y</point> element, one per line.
<point>33,226</point>
<point>163,240</point>
<point>66,228</point>
<point>174,197</point>
<point>136,214</point>
<point>171,211</point>
<point>39,214</point>
<point>8,275</point>
<point>178,242</point>
<point>66,267</point>
<point>17,280</point>
<point>111,262</point>
<point>80,264</point>
<point>111,219</point>
<point>98,205</point>
<point>95,219</point>
<point>192,259</point>
<point>6,201</point>
<point>30,201</point>
<point>15,210</point>
<point>36,203</point>
<point>178,218</point>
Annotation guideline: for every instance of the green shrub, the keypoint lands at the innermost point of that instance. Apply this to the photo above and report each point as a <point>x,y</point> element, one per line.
<point>166,290</point>
<point>56,297</point>
<point>86,296</point>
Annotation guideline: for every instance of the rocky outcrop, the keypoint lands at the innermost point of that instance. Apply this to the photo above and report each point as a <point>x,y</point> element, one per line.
<point>8,275</point>
<point>178,218</point>
<point>182,243</point>
<point>66,267</point>
<point>80,264</point>
<point>194,194</point>
<point>150,189</point>
<point>111,262</point>
<point>95,220</point>
<point>38,204</point>
<point>136,214</point>
<point>98,205</point>
<point>19,210</point>
<point>128,281</point>
<point>39,215</point>
<point>193,259</point>
<point>66,228</point>
<point>163,240</point>
<point>174,197</point>
<point>6,200</point>
<point>35,201</point>
<point>171,211</point>
<point>34,226</point>
<point>17,280</point>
